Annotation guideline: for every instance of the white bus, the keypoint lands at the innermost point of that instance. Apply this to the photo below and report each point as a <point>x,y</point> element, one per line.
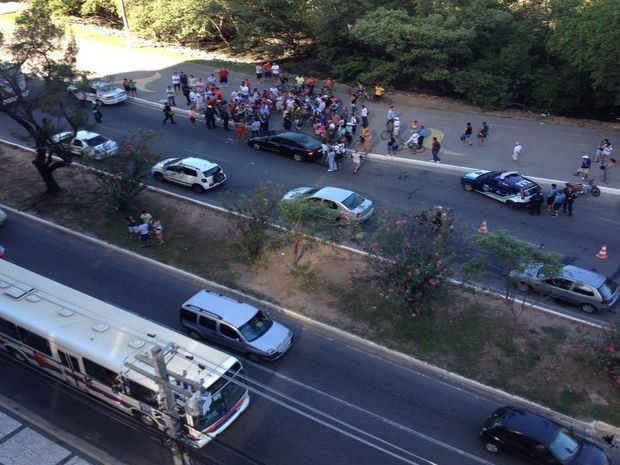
<point>103,351</point>
<point>11,78</point>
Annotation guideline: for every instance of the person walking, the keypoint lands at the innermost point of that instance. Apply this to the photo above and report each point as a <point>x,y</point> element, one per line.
<point>535,203</point>
<point>606,165</point>
<point>584,170</point>
<point>516,153</point>
<point>331,159</point>
<point>352,125</point>
<point>558,201</point>
<point>551,196</point>
<point>569,200</point>
<point>366,139</point>
<point>170,94</point>
<point>435,147</point>
<point>186,91</point>
<point>466,137</point>
<point>356,156</point>
<point>96,113</point>
<point>176,81</point>
<point>168,113</point>
<point>392,145</point>
<point>158,230</point>
<point>364,114</point>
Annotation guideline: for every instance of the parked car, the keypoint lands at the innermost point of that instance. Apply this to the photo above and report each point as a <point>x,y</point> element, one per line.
<point>86,144</point>
<point>235,324</point>
<point>2,217</point>
<point>196,173</point>
<point>538,439</point>
<point>350,205</point>
<point>101,92</point>
<point>508,187</point>
<point>297,145</point>
<point>589,290</point>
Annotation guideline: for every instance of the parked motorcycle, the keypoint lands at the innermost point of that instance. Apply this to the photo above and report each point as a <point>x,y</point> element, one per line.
<point>584,188</point>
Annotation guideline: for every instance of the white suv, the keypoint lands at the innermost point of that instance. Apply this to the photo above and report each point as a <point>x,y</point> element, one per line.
<point>196,173</point>
<point>101,92</point>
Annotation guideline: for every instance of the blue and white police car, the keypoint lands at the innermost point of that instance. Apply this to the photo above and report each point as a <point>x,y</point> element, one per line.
<point>508,187</point>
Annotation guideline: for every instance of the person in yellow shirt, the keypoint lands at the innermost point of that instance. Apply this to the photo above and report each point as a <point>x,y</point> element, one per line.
<point>379,91</point>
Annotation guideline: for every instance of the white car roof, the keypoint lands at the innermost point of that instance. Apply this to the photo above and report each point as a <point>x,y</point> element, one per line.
<point>335,194</point>
<point>82,135</point>
<point>230,310</point>
<point>198,163</point>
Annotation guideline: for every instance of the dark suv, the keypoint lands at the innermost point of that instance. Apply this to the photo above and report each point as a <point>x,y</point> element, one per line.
<point>538,439</point>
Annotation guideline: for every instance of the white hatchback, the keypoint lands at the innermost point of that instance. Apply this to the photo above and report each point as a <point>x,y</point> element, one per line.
<point>86,144</point>
<point>196,173</point>
<point>101,92</point>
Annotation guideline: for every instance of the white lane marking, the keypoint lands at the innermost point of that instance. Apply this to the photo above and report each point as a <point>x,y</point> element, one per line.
<point>387,421</point>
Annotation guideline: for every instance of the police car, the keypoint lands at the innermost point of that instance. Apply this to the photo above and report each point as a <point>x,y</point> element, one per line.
<point>508,187</point>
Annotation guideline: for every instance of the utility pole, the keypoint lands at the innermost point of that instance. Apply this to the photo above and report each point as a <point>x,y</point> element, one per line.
<point>174,427</point>
<point>125,24</point>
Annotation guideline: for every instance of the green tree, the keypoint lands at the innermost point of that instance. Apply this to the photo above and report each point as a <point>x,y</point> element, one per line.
<point>123,175</point>
<point>412,257</point>
<point>305,223</point>
<point>511,256</point>
<point>38,45</point>
<point>252,223</point>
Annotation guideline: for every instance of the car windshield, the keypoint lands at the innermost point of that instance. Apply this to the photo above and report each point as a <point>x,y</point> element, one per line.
<point>97,140</point>
<point>106,88</point>
<point>353,201</point>
<point>171,162</point>
<point>608,289</point>
<point>256,327</point>
<point>211,172</point>
<point>565,446</point>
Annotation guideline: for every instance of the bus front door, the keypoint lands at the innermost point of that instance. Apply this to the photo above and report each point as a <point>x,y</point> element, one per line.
<point>71,369</point>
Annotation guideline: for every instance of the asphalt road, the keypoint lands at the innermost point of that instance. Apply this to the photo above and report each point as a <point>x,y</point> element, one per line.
<point>390,184</point>
<point>410,416</point>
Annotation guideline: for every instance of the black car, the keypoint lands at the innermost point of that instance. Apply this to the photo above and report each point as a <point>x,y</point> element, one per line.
<point>508,187</point>
<point>538,439</point>
<point>296,145</point>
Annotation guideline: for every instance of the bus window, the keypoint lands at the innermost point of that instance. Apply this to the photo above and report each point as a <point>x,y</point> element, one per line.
<point>35,341</point>
<point>8,329</point>
<point>140,393</point>
<point>101,374</point>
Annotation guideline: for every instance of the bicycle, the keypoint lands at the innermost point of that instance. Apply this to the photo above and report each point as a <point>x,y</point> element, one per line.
<point>417,148</point>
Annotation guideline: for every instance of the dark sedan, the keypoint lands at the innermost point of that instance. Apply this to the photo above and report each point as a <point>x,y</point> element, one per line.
<point>538,439</point>
<point>298,146</point>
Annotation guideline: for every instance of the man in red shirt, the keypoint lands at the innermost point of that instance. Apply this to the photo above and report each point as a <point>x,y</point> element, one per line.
<point>267,70</point>
<point>223,74</point>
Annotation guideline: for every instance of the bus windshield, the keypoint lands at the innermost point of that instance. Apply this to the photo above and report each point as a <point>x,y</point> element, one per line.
<point>221,403</point>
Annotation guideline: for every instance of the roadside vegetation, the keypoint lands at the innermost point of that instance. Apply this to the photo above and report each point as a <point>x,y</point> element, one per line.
<point>558,57</point>
<point>568,367</point>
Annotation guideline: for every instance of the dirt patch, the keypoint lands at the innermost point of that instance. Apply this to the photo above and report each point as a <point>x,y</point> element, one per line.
<point>537,356</point>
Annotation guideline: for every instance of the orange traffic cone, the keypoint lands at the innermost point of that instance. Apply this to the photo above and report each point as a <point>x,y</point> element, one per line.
<point>602,254</point>
<point>483,229</point>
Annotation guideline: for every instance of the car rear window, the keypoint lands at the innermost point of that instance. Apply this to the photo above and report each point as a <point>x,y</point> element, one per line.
<point>211,171</point>
<point>97,140</point>
<point>353,201</point>
<point>307,142</point>
<point>608,289</point>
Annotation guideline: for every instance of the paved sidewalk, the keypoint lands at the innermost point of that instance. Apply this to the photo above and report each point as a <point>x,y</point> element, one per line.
<point>26,439</point>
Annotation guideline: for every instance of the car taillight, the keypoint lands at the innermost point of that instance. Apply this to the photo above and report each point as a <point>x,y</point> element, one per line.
<point>358,215</point>
<point>605,301</point>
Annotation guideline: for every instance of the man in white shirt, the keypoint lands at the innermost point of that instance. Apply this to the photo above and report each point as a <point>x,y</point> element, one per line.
<point>516,152</point>
<point>364,115</point>
<point>176,81</point>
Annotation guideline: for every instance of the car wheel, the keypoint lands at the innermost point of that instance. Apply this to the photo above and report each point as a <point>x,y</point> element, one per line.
<point>596,191</point>
<point>194,335</point>
<point>588,308</point>
<point>198,188</point>
<point>511,204</point>
<point>468,186</point>
<point>491,447</point>
<point>523,287</point>
<point>99,102</point>
<point>157,175</point>
<point>298,157</point>
<point>256,146</point>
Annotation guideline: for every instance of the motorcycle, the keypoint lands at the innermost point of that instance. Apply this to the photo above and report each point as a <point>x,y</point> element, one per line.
<point>584,188</point>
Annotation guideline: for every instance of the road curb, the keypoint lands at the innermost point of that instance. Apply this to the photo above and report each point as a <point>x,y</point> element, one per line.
<point>593,427</point>
<point>409,161</point>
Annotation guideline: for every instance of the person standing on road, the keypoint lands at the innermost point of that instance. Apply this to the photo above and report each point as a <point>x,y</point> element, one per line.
<point>535,203</point>
<point>392,145</point>
<point>558,201</point>
<point>170,94</point>
<point>606,165</point>
<point>223,75</point>
<point>435,147</point>
<point>331,159</point>
<point>176,81</point>
<point>158,230</point>
<point>96,113</point>
<point>366,139</point>
<point>168,113</point>
<point>584,170</point>
<point>356,156</point>
<point>193,116</point>
<point>569,200</point>
<point>133,88</point>
<point>551,196</point>
<point>210,117</point>
<point>516,152</point>
<point>275,72</point>
<point>391,114</point>
<point>364,115</point>
<point>466,137</point>
<point>144,231</point>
